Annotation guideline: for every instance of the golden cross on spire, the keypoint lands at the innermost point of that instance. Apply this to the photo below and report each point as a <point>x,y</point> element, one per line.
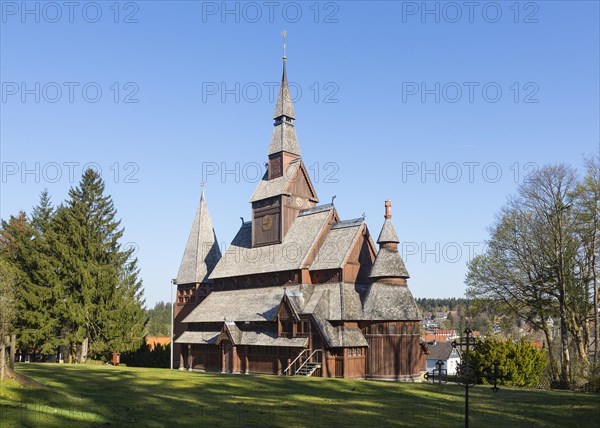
<point>284,34</point>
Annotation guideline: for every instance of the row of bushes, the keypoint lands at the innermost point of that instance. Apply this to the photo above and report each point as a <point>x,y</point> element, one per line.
<point>145,356</point>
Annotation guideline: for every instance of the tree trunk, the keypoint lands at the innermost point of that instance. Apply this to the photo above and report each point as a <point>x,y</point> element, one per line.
<point>565,366</point>
<point>596,315</point>
<point>2,360</point>
<point>13,348</point>
<point>84,350</point>
<point>551,357</point>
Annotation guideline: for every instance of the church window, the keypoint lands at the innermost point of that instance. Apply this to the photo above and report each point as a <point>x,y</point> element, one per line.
<point>392,328</point>
<point>404,329</point>
<point>380,329</point>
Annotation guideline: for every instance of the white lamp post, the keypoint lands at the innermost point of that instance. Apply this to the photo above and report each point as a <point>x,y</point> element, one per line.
<point>173,282</point>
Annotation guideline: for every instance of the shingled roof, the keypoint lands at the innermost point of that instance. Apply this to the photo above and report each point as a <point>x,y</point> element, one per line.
<point>338,244</point>
<point>328,304</point>
<point>301,239</point>
<point>388,233</point>
<point>202,250</point>
<point>390,302</point>
<point>281,185</point>
<point>388,264</point>
<point>256,304</point>
<point>284,136</point>
<point>200,337</point>
<point>284,106</point>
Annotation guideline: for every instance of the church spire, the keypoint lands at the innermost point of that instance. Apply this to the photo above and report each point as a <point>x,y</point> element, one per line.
<point>284,136</point>
<point>202,251</point>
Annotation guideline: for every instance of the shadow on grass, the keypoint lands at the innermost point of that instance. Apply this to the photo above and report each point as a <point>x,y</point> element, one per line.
<point>119,396</point>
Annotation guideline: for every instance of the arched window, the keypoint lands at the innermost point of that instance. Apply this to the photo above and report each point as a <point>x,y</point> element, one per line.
<point>392,328</point>
<point>404,329</point>
<point>380,329</point>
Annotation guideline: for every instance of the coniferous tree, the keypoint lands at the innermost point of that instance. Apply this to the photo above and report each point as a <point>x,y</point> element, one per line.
<point>102,293</point>
<point>22,247</point>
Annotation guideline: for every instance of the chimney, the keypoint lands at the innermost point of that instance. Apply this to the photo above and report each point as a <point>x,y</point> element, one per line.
<point>388,209</point>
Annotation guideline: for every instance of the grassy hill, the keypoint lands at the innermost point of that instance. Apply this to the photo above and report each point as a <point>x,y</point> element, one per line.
<point>120,396</point>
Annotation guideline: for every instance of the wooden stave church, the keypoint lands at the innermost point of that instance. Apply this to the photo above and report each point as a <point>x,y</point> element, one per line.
<point>298,291</point>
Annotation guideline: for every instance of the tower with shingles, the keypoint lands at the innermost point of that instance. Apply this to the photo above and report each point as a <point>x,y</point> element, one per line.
<point>200,257</point>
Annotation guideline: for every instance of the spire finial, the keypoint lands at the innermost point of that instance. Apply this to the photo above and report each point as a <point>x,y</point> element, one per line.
<point>284,34</point>
<point>388,209</point>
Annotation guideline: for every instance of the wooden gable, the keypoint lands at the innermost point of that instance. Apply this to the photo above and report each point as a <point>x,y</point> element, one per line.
<point>359,260</point>
<point>286,310</point>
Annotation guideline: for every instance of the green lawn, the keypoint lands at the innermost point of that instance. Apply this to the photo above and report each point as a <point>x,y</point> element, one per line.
<point>121,396</point>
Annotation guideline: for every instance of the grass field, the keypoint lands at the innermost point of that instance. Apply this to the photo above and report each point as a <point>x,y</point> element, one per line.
<point>120,396</point>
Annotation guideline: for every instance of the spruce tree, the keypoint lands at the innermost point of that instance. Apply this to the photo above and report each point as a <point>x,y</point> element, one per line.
<point>21,248</point>
<point>102,293</point>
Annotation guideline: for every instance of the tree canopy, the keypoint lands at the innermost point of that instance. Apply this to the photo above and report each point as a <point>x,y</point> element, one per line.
<point>80,290</point>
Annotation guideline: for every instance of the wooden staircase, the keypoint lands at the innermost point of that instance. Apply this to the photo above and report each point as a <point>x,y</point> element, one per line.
<point>307,366</point>
<point>308,369</point>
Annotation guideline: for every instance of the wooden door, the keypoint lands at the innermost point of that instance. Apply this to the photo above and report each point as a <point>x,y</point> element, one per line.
<point>228,358</point>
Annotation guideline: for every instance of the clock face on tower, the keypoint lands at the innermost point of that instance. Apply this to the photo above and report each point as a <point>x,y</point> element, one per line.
<point>267,222</point>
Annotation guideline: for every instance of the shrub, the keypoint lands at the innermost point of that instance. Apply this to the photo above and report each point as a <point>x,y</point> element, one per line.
<point>520,363</point>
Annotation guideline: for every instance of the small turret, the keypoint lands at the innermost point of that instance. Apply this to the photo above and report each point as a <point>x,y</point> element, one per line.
<point>389,266</point>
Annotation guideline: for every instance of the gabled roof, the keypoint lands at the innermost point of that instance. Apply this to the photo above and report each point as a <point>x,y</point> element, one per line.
<point>199,337</point>
<point>388,233</point>
<point>440,351</point>
<point>327,304</point>
<point>292,254</point>
<point>254,304</point>
<point>388,264</point>
<point>231,331</point>
<point>281,185</point>
<point>202,250</point>
<point>338,245</point>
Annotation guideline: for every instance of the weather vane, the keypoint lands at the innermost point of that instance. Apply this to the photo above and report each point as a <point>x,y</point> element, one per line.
<point>283,34</point>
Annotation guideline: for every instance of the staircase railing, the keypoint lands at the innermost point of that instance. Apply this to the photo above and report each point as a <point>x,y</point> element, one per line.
<point>288,369</point>
<point>306,361</point>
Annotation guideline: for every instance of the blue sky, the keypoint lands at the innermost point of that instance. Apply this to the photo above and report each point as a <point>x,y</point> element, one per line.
<point>442,109</point>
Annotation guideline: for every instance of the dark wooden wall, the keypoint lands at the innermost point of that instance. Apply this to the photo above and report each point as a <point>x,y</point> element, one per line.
<point>394,355</point>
